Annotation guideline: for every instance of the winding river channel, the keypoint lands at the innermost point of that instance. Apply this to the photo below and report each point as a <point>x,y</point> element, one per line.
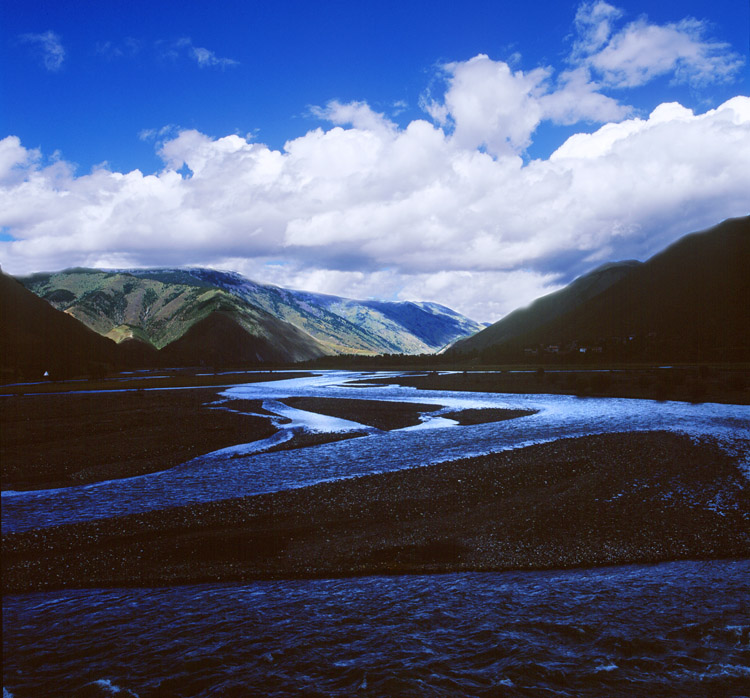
<point>244,469</point>
<point>677,629</point>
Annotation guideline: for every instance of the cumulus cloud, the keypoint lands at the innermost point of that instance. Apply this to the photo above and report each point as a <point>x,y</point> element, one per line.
<point>487,104</point>
<point>376,210</point>
<point>642,51</point>
<point>490,105</point>
<point>445,209</point>
<point>48,47</point>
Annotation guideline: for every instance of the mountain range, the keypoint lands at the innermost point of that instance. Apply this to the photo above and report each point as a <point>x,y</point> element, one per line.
<point>203,316</point>
<point>689,302</point>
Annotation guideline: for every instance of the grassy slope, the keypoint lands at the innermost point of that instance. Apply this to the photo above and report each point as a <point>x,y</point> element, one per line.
<point>123,307</point>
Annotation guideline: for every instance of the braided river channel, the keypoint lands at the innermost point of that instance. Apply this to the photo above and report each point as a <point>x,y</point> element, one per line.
<point>675,629</point>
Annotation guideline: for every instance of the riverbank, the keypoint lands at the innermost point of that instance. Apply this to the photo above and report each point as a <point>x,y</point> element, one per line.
<point>61,440</point>
<point>685,383</point>
<point>599,500</point>
<point>52,441</point>
<point>149,380</point>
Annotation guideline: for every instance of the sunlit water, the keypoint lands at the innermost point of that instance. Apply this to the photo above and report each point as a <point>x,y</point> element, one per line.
<point>675,629</point>
<point>241,470</point>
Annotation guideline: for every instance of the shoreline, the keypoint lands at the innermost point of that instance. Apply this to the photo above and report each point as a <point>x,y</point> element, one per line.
<point>629,498</point>
<point>681,383</point>
<point>52,441</point>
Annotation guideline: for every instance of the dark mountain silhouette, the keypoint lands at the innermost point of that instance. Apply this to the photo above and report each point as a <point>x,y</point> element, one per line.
<point>230,334</point>
<point>218,340</point>
<point>548,308</point>
<point>689,302</point>
<point>35,338</point>
<point>135,353</point>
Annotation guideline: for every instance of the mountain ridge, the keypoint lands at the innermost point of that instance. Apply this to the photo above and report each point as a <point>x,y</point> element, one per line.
<point>160,305</point>
<point>690,301</point>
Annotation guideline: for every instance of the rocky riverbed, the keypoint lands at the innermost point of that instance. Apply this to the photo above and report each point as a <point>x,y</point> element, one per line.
<point>598,500</point>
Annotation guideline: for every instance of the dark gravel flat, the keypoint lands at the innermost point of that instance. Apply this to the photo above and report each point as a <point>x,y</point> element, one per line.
<point>599,500</point>
<point>386,415</point>
<point>686,383</point>
<point>375,413</point>
<point>62,440</point>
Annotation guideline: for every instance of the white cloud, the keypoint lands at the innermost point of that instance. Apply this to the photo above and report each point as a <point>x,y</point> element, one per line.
<point>492,106</point>
<point>357,114</point>
<point>202,56</point>
<point>594,23</point>
<point>489,105</point>
<point>642,51</point>
<point>15,160</point>
<point>444,210</point>
<point>50,48</point>
<point>578,98</point>
<point>384,211</point>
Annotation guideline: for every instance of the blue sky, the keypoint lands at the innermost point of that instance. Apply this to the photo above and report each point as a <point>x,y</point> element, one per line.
<point>390,149</point>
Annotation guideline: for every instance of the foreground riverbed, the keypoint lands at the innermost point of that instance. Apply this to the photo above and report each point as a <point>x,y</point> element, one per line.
<point>410,481</point>
<point>609,499</point>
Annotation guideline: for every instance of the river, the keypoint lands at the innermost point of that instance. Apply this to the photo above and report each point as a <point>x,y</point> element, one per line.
<point>241,470</point>
<point>673,629</point>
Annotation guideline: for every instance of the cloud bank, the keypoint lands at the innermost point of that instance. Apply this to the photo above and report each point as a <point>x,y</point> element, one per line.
<point>444,209</point>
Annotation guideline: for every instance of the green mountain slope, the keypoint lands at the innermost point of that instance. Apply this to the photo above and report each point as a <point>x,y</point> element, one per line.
<point>343,325</point>
<point>124,307</point>
<point>159,306</point>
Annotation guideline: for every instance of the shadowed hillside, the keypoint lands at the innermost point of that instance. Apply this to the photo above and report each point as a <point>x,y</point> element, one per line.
<point>220,339</point>
<point>690,302</point>
<point>35,338</point>
<point>548,308</point>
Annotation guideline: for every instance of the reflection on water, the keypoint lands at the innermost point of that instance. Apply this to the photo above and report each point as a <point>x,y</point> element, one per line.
<point>220,476</point>
<point>675,629</point>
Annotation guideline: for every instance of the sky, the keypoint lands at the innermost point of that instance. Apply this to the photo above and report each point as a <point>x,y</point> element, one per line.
<point>477,154</point>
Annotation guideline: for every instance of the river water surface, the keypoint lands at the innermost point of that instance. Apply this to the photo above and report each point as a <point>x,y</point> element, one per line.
<point>676,629</point>
<point>241,470</point>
